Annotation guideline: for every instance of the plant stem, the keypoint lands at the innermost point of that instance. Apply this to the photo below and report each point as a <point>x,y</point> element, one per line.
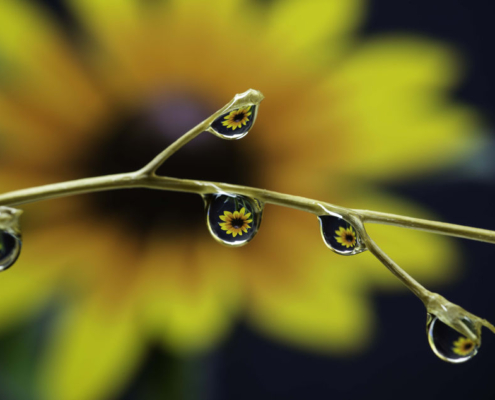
<point>146,177</point>
<point>140,179</point>
<point>465,232</point>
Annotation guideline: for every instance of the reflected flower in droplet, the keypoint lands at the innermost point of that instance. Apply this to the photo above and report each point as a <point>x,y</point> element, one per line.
<point>448,344</point>
<point>346,236</point>
<point>234,124</point>
<point>235,223</point>
<point>340,236</point>
<point>233,220</point>
<point>463,346</point>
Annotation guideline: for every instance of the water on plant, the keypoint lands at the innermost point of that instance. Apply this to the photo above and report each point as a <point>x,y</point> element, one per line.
<point>448,344</point>
<point>233,220</point>
<point>235,124</point>
<point>340,236</point>
<point>10,248</point>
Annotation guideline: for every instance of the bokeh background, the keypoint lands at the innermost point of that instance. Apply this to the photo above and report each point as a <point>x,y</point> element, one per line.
<point>374,104</point>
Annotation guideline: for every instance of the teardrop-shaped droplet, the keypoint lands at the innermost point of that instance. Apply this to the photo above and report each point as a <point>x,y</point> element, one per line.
<point>235,124</point>
<point>10,248</point>
<point>448,344</point>
<point>340,236</point>
<point>233,220</point>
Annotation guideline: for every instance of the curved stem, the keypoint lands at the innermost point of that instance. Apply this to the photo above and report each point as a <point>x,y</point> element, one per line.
<point>154,164</point>
<point>250,96</point>
<point>141,179</point>
<point>147,178</point>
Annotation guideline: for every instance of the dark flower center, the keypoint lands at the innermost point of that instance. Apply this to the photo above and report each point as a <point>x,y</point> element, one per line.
<point>349,238</point>
<point>237,223</point>
<point>239,117</point>
<point>132,139</point>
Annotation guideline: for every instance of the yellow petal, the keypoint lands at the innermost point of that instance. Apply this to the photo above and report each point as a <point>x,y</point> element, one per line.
<point>94,340</point>
<point>189,305</point>
<point>408,78</point>
<point>318,22</point>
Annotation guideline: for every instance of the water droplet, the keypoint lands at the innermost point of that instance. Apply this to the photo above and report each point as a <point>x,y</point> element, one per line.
<point>340,236</point>
<point>10,248</point>
<point>235,124</point>
<point>233,220</point>
<point>448,344</point>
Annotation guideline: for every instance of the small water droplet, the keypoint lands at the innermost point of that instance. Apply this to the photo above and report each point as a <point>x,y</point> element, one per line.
<point>235,124</point>
<point>233,220</point>
<point>448,344</point>
<point>10,248</point>
<point>340,236</point>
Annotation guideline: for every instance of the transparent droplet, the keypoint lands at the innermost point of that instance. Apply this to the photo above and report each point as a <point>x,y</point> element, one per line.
<point>340,236</point>
<point>235,124</point>
<point>233,220</point>
<point>448,344</point>
<point>10,248</point>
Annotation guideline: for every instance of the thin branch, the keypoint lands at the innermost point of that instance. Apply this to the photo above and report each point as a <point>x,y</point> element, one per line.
<point>442,228</point>
<point>139,180</point>
<point>247,98</point>
<point>146,177</point>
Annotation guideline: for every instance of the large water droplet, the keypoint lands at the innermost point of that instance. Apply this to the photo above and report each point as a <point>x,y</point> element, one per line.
<point>448,344</point>
<point>340,236</point>
<point>233,220</point>
<point>10,248</point>
<point>235,124</point>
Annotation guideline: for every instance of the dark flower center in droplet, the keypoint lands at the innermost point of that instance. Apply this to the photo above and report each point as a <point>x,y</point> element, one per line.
<point>468,346</point>
<point>132,139</point>
<point>239,117</point>
<point>237,223</point>
<point>349,238</point>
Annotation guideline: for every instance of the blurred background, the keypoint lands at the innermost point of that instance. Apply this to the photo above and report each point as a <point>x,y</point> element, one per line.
<point>122,295</point>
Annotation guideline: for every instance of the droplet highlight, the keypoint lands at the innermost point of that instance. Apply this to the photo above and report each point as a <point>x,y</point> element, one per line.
<point>233,220</point>
<point>235,124</point>
<point>340,235</point>
<point>448,344</point>
<point>10,248</point>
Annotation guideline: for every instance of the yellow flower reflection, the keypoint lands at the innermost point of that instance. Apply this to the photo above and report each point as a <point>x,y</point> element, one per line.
<point>346,236</point>
<point>133,267</point>
<point>237,118</point>
<point>463,346</point>
<point>236,222</point>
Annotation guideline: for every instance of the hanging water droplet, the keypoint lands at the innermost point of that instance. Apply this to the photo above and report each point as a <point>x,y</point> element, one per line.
<point>340,236</point>
<point>235,124</point>
<point>10,248</point>
<point>10,242</point>
<point>233,220</point>
<point>448,344</point>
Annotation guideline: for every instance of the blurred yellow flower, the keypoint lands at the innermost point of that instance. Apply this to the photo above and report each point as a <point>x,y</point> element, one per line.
<point>133,267</point>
